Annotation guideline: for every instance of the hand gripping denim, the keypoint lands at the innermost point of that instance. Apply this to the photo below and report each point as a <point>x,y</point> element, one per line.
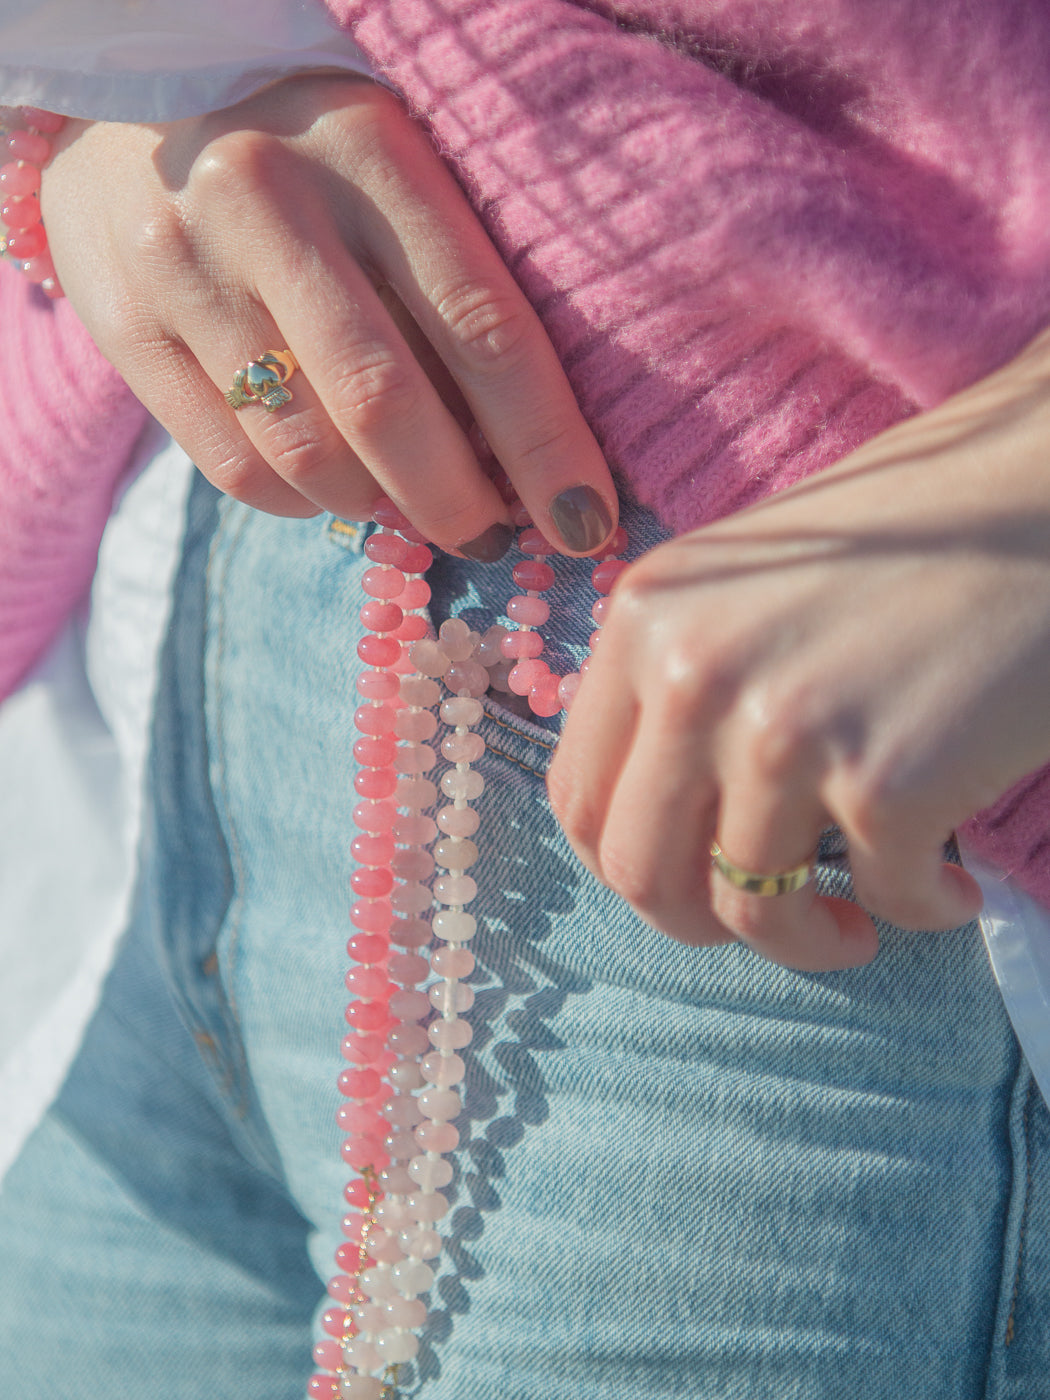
<point>683,1173</point>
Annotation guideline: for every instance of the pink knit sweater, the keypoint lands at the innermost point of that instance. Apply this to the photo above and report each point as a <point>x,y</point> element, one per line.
<point>758,232</point>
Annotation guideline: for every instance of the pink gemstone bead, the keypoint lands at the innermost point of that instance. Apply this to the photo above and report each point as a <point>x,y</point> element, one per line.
<point>456,639</point>
<point>415,725</point>
<point>456,927</point>
<point>52,288</point>
<point>28,145</point>
<point>381,617</point>
<point>544,698</point>
<point>442,1104</point>
<point>336,1321</point>
<point>20,213</point>
<point>367,1015</point>
<point>467,678</point>
<point>409,1006</point>
<point>375,753</point>
<point>444,1070</point>
<point>437,1137</point>
<point>407,1039</point>
<point>520,516</point>
<point>361,1388</point>
<point>526,674</point>
<point>29,243</point>
<point>415,831</point>
<point>360,1119</point>
<point>396,1181</point>
<point>451,997</point>
<point>342,1288</point>
<point>375,816</point>
<point>383,583</point>
<point>17,179</point>
<point>450,1035</point>
<point>413,629</point>
<point>429,657</point>
<point>408,968</point>
<point>321,1387</point>
<point>367,948</point>
<point>416,792</point>
<point>415,594</point>
<point>430,1172</point>
<point>386,549</point>
<point>379,651</point>
<point>462,709</point>
<point>415,758</point>
<point>604,575</point>
<point>377,685</point>
<point>532,542</point>
<point>455,889</point>
<point>567,688</point>
<point>388,516</point>
<point>328,1354</point>
<point>413,865</point>
<point>375,917</point>
<point>488,650</point>
<point>533,574</point>
<point>522,645</point>
<point>463,748</point>
<point>534,612</point>
<point>375,783</point>
<point>410,933</point>
<point>453,962</point>
<point>360,1083</point>
<point>600,610</point>
<point>417,560</point>
<point>455,855</point>
<point>363,1049</point>
<point>458,821</point>
<point>356,1193</point>
<point>363,1152</point>
<point>401,1144</point>
<point>405,1312</point>
<point>421,691</point>
<point>39,119</point>
<point>375,720</point>
<point>427,1209</point>
<point>370,982</point>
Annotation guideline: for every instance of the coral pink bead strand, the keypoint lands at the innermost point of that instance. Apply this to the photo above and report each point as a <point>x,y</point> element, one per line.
<point>29,150</point>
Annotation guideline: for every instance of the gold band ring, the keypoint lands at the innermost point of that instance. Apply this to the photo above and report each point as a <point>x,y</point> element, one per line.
<point>768,886</point>
<point>262,381</point>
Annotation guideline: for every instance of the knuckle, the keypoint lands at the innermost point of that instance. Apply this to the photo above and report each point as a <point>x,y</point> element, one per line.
<point>237,164</point>
<point>490,330</point>
<point>374,392</point>
<point>301,460</point>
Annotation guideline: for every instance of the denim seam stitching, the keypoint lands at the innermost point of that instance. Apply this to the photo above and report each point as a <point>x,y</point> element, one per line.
<point>1009,1333</point>
<point>520,733</point>
<point>501,753</point>
<point>236,907</point>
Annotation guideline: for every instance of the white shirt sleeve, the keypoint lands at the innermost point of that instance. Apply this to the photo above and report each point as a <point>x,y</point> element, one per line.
<point>152,60</point>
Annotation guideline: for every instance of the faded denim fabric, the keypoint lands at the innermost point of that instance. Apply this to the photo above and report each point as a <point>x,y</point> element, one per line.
<point>682,1173</point>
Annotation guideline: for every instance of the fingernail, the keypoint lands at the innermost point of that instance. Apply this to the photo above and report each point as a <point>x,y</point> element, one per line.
<point>490,546</point>
<point>581,518</point>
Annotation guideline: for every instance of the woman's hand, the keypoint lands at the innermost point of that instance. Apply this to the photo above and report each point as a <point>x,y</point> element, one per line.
<point>317,217</point>
<point>870,648</point>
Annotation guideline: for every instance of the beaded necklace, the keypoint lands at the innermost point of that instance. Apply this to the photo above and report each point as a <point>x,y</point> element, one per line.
<point>401,1090</point>
<point>29,149</point>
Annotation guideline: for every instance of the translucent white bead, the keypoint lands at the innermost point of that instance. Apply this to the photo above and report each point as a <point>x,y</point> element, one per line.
<point>429,1172</point>
<point>417,725</point>
<point>454,889</point>
<point>429,657</point>
<point>436,1137</point>
<point>442,1104</point>
<point>463,786</point>
<point>445,1070</point>
<point>384,1247</point>
<point>370,1316</point>
<point>396,1180</point>
<point>462,709</point>
<point>415,792</point>
<point>397,1346</point>
<point>462,748</point>
<point>418,690</point>
<point>377,1282</point>
<point>407,1312</point>
<point>426,1207</point>
<point>467,678</point>
<point>450,996</point>
<point>458,821</point>
<point>454,926</point>
<point>452,962</point>
<point>457,640</point>
<point>361,1388</point>
<point>411,1276</point>
<point>395,1215</point>
<point>452,1034</point>
<point>455,855</point>
<point>419,1244</point>
<point>414,758</point>
<point>488,651</point>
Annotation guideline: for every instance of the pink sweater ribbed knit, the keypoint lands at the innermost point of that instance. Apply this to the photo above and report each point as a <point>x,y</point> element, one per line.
<point>758,231</point>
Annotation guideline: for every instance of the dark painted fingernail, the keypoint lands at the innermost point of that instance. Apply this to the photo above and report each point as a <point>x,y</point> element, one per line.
<point>490,546</point>
<point>581,518</point>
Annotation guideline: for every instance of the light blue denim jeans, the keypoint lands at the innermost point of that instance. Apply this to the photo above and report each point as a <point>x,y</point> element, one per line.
<point>682,1173</point>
